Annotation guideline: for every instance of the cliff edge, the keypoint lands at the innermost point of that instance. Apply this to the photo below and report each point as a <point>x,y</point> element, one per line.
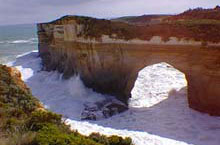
<point>109,54</point>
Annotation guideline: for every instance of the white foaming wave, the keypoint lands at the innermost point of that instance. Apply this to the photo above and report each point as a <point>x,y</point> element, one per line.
<point>26,72</point>
<point>63,96</point>
<point>170,123</point>
<point>27,41</point>
<point>19,41</point>
<point>70,95</point>
<point>138,137</point>
<point>154,85</point>
<point>11,63</point>
<point>26,53</point>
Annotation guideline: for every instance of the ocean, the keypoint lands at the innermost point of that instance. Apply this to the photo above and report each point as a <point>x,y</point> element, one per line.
<point>158,111</point>
<point>16,40</point>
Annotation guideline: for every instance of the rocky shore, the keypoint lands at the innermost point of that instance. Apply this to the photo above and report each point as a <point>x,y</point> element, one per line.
<point>108,54</point>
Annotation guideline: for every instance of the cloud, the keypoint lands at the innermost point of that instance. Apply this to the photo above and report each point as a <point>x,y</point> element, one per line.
<point>32,11</point>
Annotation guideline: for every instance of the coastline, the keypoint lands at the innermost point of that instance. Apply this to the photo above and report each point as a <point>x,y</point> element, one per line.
<point>143,125</point>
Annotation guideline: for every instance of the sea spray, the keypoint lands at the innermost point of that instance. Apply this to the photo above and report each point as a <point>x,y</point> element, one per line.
<point>154,84</point>
<point>169,122</point>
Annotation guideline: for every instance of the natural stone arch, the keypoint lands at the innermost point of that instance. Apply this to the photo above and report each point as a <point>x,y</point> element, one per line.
<point>110,64</point>
<point>113,68</point>
<point>200,67</point>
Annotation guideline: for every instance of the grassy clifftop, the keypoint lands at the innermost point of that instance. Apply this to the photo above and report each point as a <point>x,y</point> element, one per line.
<point>142,20</point>
<point>23,121</point>
<point>198,25</point>
<point>199,13</point>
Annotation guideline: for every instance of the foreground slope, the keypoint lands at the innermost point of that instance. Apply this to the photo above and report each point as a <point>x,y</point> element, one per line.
<point>170,122</point>
<point>23,121</point>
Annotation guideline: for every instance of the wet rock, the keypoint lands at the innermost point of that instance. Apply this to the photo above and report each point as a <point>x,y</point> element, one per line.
<point>102,109</point>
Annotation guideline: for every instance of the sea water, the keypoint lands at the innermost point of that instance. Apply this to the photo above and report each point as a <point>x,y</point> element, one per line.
<point>158,113</point>
<point>16,40</point>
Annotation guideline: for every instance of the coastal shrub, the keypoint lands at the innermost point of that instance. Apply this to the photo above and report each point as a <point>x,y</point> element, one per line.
<point>99,138</point>
<point>112,140</point>
<point>51,134</point>
<point>24,122</point>
<point>24,138</point>
<point>39,118</point>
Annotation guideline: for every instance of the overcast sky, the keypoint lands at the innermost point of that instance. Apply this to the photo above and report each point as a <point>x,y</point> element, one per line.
<point>33,11</point>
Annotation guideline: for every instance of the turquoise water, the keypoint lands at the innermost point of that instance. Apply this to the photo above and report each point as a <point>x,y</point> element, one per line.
<point>16,40</point>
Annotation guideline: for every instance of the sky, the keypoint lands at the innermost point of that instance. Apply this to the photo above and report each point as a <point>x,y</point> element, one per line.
<point>35,11</point>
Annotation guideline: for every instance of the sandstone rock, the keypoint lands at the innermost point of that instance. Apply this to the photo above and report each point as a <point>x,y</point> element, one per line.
<point>111,65</point>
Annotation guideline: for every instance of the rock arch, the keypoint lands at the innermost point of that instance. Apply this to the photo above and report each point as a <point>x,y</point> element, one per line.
<point>113,68</point>
<point>110,64</point>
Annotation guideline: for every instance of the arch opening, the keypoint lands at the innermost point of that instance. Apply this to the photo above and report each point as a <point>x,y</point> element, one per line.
<point>155,83</point>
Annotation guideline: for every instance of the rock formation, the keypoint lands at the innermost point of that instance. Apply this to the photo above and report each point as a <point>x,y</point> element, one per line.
<point>102,109</point>
<point>108,55</point>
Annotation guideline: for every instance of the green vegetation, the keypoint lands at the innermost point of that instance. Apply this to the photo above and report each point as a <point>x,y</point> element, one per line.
<point>204,30</point>
<point>142,20</point>
<point>112,140</point>
<point>199,13</point>
<point>95,28</point>
<point>23,121</point>
<point>180,26</point>
<point>198,22</point>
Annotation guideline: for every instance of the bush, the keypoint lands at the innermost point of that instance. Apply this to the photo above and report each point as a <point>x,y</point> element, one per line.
<point>112,140</point>
<point>11,124</point>
<point>39,118</point>
<point>99,138</point>
<point>21,123</point>
<point>51,134</point>
<point>117,140</point>
<point>19,139</point>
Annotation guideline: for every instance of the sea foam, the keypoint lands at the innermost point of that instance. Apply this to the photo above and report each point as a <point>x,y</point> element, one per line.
<point>28,41</point>
<point>166,121</point>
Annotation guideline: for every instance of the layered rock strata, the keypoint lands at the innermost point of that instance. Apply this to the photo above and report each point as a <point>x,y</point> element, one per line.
<point>108,57</point>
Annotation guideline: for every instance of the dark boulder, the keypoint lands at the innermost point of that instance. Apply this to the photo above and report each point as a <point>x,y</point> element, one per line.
<point>102,109</point>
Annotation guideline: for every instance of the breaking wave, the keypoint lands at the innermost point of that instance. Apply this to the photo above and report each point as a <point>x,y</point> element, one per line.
<point>165,119</point>
<point>27,41</point>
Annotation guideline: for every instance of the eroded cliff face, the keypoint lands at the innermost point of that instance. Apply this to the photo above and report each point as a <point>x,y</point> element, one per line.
<point>109,60</point>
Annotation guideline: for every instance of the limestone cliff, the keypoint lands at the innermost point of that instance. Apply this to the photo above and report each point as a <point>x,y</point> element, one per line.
<point>108,55</point>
